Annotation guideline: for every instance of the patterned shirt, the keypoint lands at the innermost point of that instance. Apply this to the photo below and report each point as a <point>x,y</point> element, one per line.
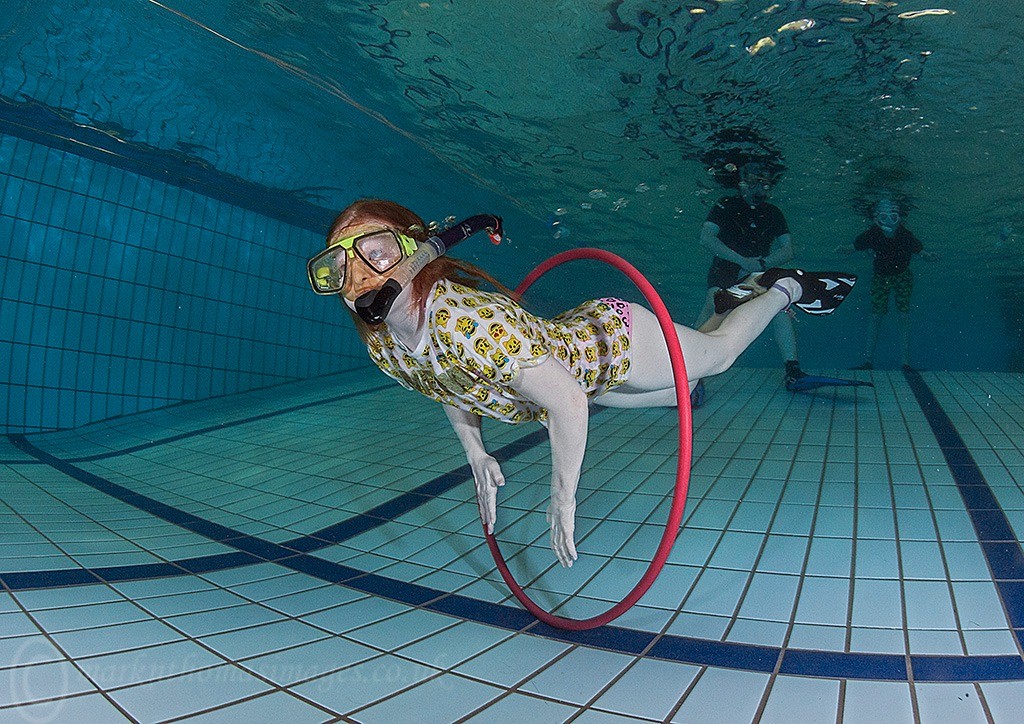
<point>476,343</point>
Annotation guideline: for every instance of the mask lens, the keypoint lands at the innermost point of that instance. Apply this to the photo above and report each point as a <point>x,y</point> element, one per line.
<point>327,270</point>
<point>380,250</point>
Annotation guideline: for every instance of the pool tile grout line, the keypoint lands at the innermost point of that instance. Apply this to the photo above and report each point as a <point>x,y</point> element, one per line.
<point>201,431</point>
<point>999,544</point>
<point>323,538</point>
<point>682,649</point>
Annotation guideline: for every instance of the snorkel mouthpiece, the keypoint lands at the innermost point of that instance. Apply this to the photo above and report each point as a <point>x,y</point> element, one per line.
<point>374,306</point>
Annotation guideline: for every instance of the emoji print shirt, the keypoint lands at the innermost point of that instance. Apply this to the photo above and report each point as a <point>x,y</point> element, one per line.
<point>476,343</point>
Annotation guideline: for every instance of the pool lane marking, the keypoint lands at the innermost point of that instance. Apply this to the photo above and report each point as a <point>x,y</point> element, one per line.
<point>200,431</point>
<point>999,543</point>
<point>670,647</point>
<point>250,551</point>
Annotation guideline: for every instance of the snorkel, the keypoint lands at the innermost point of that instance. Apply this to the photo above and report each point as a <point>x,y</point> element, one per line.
<point>374,306</point>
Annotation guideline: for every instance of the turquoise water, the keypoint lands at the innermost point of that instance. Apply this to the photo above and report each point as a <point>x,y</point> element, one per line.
<point>597,115</point>
<point>194,523</point>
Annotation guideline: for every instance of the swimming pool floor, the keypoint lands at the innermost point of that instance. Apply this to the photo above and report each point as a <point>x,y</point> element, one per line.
<point>312,552</point>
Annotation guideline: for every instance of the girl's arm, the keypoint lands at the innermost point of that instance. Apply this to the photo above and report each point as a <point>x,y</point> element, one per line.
<point>552,387</point>
<point>486,471</point>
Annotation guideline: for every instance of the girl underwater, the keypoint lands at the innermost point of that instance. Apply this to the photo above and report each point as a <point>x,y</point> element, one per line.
<point>480,353</point>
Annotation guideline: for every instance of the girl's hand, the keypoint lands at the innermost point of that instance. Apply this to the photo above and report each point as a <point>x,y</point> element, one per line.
<point>486,471</point>
<point>488,478</point>
<point>554,389</point>
<point>562,519</point>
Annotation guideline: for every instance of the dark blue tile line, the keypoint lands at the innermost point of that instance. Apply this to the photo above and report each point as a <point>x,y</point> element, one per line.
<point>60,578</point>
<point>200,526</point>
<point>317,540</point>
<point>388,511</point>
<point>682,649</point>
<point>498,615</point>
<point>967,668</point>
<point>233,423</point>
<point>204,430</point>
<point>748,657</point>
<point>40,123</point>
<point>998,542</point>
<point>841,665</point>
<point>68,577</point>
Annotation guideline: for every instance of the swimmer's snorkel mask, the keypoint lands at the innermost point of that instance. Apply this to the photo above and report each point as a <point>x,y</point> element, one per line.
<point>887,216</point>
<point>755,183</point>
<point>385,250</point>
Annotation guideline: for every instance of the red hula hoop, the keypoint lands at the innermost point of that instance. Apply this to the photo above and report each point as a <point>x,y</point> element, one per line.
<point>675,516</point>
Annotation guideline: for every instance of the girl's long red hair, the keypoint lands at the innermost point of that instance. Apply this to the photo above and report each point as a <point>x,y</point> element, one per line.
<point>408,222</point>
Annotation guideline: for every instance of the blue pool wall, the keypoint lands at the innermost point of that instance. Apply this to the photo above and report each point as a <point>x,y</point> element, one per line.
<point>134,278</point>
<point>122,293</point>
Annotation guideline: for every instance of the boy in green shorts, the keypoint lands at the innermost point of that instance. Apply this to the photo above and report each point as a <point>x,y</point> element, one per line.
<point>893,246</point>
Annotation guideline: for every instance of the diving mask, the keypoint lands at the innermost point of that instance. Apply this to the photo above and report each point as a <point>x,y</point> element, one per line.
<point>380,248</point>
<point>887,218</point>
<point>755,183</point>
<point>389,252</point>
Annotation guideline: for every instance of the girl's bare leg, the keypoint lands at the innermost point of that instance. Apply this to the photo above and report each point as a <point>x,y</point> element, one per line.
<point>632,399</point>
<point>706,353</point>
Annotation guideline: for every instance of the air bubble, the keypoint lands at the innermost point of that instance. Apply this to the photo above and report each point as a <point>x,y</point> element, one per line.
<point>559,230</point>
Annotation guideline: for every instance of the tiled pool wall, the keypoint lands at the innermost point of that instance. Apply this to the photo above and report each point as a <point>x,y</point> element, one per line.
<point>121,293</point>
<point>133,276</point>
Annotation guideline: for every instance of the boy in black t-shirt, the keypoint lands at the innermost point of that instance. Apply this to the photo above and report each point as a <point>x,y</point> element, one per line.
<point>747,235</point>
<point>893,245</point>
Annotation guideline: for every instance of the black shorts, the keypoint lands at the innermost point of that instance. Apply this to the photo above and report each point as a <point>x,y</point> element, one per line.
<point>723,274</point>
